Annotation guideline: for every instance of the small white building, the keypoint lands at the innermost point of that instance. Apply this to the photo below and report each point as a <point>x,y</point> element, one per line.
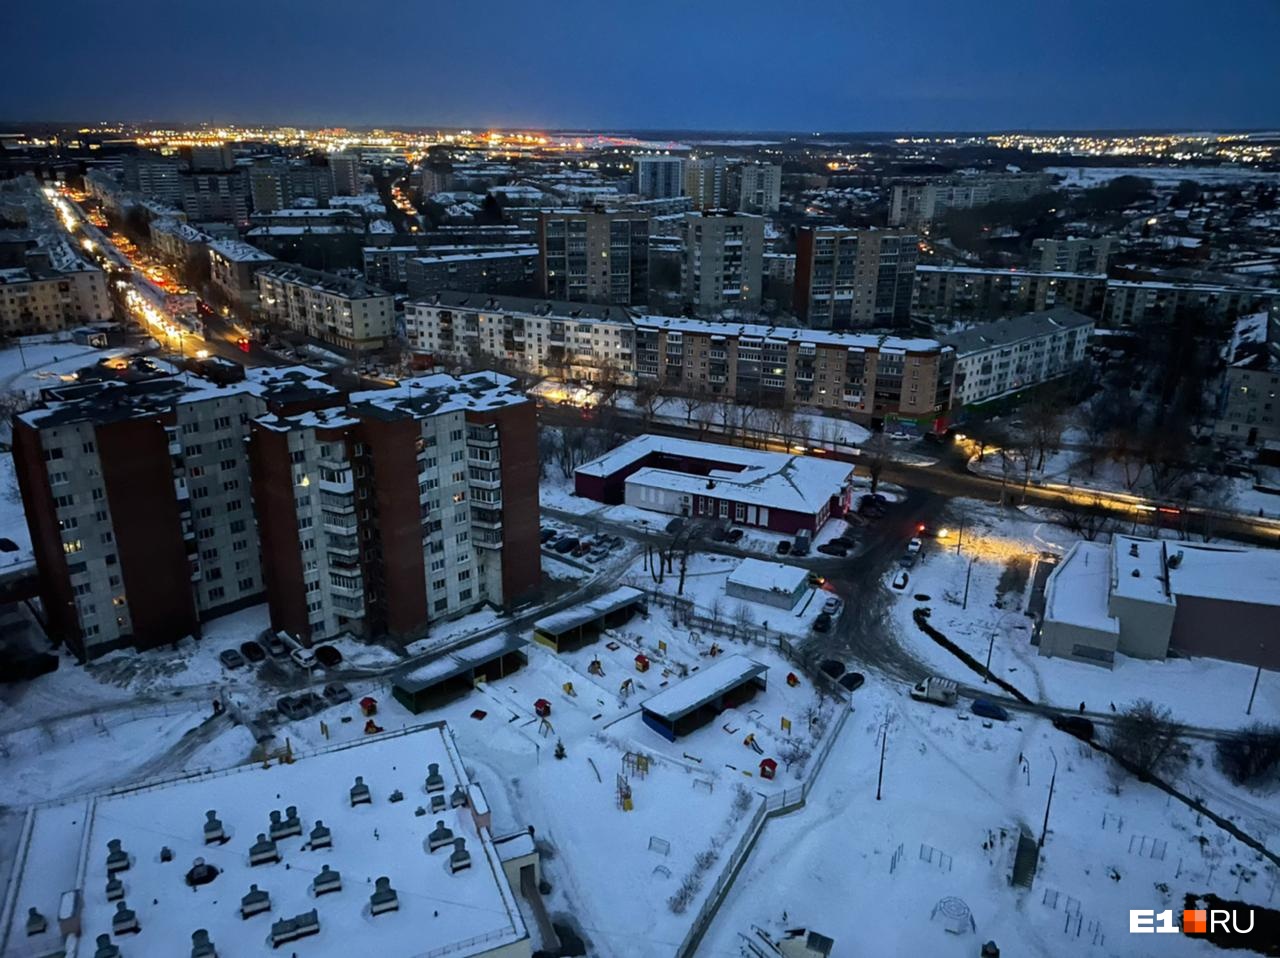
<point>769,583</point>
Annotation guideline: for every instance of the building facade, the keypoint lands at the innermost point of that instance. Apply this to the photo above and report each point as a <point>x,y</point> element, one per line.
<point>723,262</point>
<point>232,265</point>
<point>346,313</point>
<point>948,293</point>
<point>854,278</point>
<point>506,270</point>
<point>757,187</point>
<point>657,177</point>
<point>345,171</point>
<point>1141,303</point>
<point>43,298</point>
<point>924,201</point>
<point>706,183</point>
<point>1249,397</point>
<point>594,256</point>
<point>1075,254</point>
<point>1000,359</point>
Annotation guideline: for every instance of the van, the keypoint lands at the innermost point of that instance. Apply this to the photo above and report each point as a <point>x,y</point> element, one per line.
<point>988,709</point>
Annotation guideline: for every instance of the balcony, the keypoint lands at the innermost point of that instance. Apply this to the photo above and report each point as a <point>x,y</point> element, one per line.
<point>340,524</point>
<point>354,588</point>
<point>336,482</point>
<point>332,502</point>
<point>350,608</point>
<point>487,518</point>
<point>342,545</point>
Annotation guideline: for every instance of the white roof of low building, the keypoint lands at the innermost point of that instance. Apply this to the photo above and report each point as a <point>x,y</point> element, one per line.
<point>470,912</point>
<point>1077,590</point>
<point>768,576</point>
<point>239,252</point>
<point>1137,566</point>
<point>702,687</point>
<point>1227,574</point>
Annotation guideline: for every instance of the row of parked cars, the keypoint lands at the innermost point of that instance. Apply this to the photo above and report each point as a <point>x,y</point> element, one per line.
<point>307,704</point>
<point>942,691</point>
<point>567,544</point>
<point>279,645</point>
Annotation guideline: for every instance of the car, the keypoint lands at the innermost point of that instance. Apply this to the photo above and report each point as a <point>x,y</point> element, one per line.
<point>1076,725</point>
<point>852,681</point>
<point>565,545</point>
<point>817,581</point>
<point>582,548</point>
<point>734,535</point>
<point>328,656</point>
<point>290,708</point>
<point>833,605</point>
<point>675,525</point>
<point>822,623</point>
<point>546,535</point>
<point>252,651</point>
<point>901,436</point>
<point>336,693</point>
<point>988,709</point>
<point>784,547</point>
<point>878,498</point>
<point>844,541</point>
<point>914,547</point>
<point>274,643</point>
<point>719,534</point>
<point>598,554</point>
<point>832,549</point>
<point>832,668</point>
<point>231,658</point>
<point>303,658</point>
<point>311,703</point>
<point>900,581</point>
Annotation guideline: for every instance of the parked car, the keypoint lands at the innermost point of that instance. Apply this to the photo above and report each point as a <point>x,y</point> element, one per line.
<point>784,547</point>
<point>733,535</point>
<point>311,703</point>
<point>833,549</point>
<point>598,554</point>
<point>252,651</point>
<point>546,535</point>
<point>328,656</point>
<point>336,693</point>
<point>817,581</point>
<point>615,542</point>
<point>801,545</point>
<point>1076,725</point>
<point>274,644</point>
<point>988,709</point>
<point>901,436</point>
<point>914,546</point>
<point>900,581</point>
<point>565,546</point>
<point>303,658</point>
<point>832,668</point>
<point>935,689</point>
<point>844,541</point>
<point>719,534</point>
<point>833,605</point>
<point>581,549</point>
<point>290,708</point>
<point>675,525</point>
<point>822,623</point>
<point>852,681</point>
<point>231,658</point>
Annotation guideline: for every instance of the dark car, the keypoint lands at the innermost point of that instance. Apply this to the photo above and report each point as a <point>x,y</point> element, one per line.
<point>275,646</point>
<point>832,668</point>
<point>290,707</point>
<point>988,709</point>
<point>328,656</point>
<point>784,547</point>
<point>719,534</point>
<point>231,658</point>
<point>822,623</point>
<point>565,545</point>
<point>546,535</point>
<point>311,703</point>
<point>582,548</point>
<point>1076,725</point>
<point>252,651</point>
<point>336,693</point>
<point>675,525</point>
<point>833,549</point>
<point>733,535</point>
<point>852,681</point>
<point>842,541</point>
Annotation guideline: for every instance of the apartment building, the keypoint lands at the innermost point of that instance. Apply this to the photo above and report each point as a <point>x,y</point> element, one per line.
<point>656,176</point>
<point>152,175</point>
<point>140,506</point>
<point>1148,303</point>
<point>537,337</point>
<point>346,313</point>
<point>1000,359</point>
<point>723,260</point>
<point>55,290</point>
<point>487,270</point>
<point>398,508</point>
<point>925,201</point>
<point>178,242</point>
<point>1075,254</point>
<point>854,278</point>
<point>948,293</point>
<point>1248,410</point>
<point>277,186</point>
<point>232,265</point>
<point>594,256</point>
<point>864,376</point>
<point>706,183</point>
<point>757,187</point>
<point>221,197</point>
<point>345,170</point>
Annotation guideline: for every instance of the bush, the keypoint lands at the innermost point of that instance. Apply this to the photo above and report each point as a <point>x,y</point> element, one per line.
<point>1146,740</point>
<point>1250,754</point>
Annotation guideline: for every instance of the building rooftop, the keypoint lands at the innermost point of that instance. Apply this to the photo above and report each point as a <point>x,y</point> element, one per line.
<point>466,912</point>
<point>1028,273</point>
<point>1006,332</point>
<point>702,687</point>
<point>325,282</point>
<point>1137,569</point>
<point>560,622</point>
<point>239,252</point>
<point>1226,574</point>
<point>1076,591</point>
<point>768,576</point>
<point>429,255</point>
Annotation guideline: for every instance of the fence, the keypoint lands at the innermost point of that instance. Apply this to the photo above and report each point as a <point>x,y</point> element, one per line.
<point>779,803</point>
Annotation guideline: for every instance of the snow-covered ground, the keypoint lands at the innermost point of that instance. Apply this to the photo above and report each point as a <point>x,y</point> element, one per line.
<point>37,365</point>
<point>1087,177</point>
<point>871,873</point>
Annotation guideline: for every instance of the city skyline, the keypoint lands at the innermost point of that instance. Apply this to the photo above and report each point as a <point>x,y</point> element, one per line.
<point>1105,68</point>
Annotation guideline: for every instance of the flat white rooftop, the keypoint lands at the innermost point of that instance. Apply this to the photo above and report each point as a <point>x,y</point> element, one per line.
<point>769,576</point>
<point>1077,590</point>
<point>468,913</point>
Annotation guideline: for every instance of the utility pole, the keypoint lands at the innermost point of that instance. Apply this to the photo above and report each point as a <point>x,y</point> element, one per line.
<point>1049,801</point>
<point>1256,676</point>
<point>884,743</point>
<point>967,576</point>
<point>987,671</point>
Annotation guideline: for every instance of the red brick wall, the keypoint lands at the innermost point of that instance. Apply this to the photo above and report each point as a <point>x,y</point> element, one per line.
<point>276,512</point>
<point>521,549</point>
<point>396,566</point>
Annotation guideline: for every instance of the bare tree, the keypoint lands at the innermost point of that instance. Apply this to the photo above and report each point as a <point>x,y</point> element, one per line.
<point>648,399</point>
<point>1087,520</point>
<point>691,402</point>
<point>1044,427</point>
<point>875,456</point>
<point>1147,741</point>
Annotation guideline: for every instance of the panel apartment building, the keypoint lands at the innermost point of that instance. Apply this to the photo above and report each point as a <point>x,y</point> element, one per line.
<point>924,201</point>
<point>346,313</point>
<point>657,176</point>
<point>374,514</point>
<point>55,290</point>
<point>594,256</point>
<point>723,260</point>
<point>854,278</point>
<point>948,293</point>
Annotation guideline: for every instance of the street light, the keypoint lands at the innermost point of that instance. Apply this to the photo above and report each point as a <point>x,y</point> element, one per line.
<point>1049,801</point>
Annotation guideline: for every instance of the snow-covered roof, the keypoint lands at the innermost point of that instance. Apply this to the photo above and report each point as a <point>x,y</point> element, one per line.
<point>1077,590</point>
<point>239,252</point>
<point>1006,332</point>
<point>768,576</point>
<point>455,663</point>
<point>469,912</point>
<point>561,622</point>
<point>703,687</point>
<point>1137,569</point>
<point>1227,574</point>
<point>826,337</point>
<point>1012,272</point>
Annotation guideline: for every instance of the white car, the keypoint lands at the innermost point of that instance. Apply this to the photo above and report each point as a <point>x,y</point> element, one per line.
<point>901,436</point>
<point>303,658</point>
<point>832,606</point>
<point>900,581</point>
<point>914,547</point>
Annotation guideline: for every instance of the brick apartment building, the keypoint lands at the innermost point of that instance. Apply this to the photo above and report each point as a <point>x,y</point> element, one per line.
<point>147,518</point>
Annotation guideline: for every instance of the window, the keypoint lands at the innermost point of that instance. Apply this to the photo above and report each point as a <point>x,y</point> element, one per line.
<point>440,605</point>
<point>464,595</point>
<point>464,575</point>
<point>72,547</point>
<point>57,478</point>
<point>217,592</point>
<point>88,447</point>
<point>222,422</point>
<point>245,584</point>
<point>439,585</point>
<point>237,526</point>
<point>68,523</point>
<point>238,545</point>
<point>106,538</point>
<point>54,452</point>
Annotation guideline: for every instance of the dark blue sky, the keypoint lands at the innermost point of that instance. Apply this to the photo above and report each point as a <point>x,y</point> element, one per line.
<point>704,64</point>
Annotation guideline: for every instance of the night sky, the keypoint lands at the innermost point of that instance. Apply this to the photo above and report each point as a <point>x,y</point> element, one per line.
<point>649,64</point>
